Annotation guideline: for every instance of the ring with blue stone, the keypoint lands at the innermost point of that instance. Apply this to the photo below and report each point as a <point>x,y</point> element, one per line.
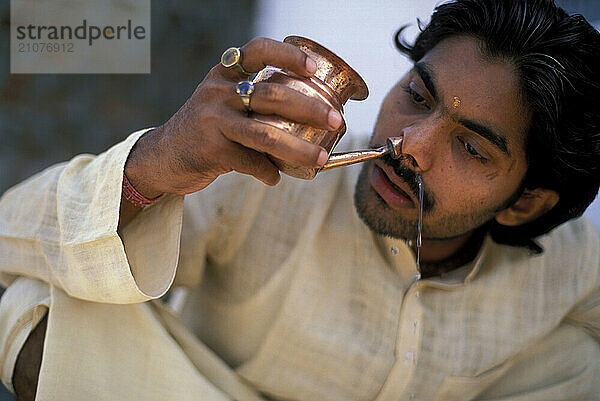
<point>245,90</point>
<point>232,58</point>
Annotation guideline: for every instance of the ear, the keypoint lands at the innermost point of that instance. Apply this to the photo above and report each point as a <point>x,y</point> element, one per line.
<point>531,205</point>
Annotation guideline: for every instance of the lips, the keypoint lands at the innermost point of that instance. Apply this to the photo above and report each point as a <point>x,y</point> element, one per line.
<point>392,188</point>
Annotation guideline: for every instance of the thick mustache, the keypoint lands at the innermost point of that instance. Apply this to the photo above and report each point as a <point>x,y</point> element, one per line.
<point>410,178</point>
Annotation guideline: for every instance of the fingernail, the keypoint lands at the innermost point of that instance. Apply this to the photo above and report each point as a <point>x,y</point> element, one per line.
<point>334,119</point>
<point>323,156</point>
<point>311,66</point>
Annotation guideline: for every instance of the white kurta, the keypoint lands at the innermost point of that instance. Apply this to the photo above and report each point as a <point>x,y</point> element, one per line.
<point>291,290</point>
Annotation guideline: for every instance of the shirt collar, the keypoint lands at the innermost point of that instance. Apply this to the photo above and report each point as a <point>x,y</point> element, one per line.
<point>403,261</point>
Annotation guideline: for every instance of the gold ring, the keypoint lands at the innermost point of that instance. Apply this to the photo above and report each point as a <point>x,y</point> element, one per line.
<point>232,58</point>
<point>245,89</point>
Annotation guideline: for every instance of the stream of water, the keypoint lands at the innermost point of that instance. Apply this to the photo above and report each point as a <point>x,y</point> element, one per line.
<point>420,223</point>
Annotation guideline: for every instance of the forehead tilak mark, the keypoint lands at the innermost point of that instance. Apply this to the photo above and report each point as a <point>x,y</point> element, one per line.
<point>427,75</point>
<point>456,102</point>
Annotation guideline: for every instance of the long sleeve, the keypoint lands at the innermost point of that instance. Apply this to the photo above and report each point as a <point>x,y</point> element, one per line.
<point>60,227</point>
<point>23,305</point>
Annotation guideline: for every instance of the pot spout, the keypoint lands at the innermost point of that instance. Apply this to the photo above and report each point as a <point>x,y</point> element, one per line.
<point>393,147</point>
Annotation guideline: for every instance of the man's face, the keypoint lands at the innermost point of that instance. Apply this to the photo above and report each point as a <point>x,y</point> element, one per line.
<point>464,126</point>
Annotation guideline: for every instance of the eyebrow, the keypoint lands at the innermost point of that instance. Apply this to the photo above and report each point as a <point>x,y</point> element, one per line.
<point>428,77</point>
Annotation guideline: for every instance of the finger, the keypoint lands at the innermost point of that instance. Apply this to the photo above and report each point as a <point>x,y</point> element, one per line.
<point>274,141</point>
<point>260,52</point>
<point>248,161</point>
<point>278,99</point>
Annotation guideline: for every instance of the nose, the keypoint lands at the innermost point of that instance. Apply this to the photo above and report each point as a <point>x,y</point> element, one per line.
<point>419,144</point>
<point>395,146</point>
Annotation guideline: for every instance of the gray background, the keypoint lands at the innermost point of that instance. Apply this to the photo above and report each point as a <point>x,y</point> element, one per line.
<point>48,118</point>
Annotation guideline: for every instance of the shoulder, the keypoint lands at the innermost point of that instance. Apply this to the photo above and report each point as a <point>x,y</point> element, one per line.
<point>580,228</point>
<point>326,187</point>
<point>565,273</point>
<point>235,194</point>
<point>577,241</point>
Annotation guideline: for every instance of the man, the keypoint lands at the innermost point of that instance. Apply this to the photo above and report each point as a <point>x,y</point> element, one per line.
<point>299,295</point>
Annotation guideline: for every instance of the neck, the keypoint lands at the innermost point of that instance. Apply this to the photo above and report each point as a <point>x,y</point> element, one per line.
<point>442,256</point>
<point>434,251</point>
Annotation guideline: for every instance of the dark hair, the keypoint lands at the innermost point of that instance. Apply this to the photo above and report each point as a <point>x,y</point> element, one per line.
<point>558,59</point>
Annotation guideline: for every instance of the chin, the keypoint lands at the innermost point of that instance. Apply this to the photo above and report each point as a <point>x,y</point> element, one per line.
<point>375,212</point>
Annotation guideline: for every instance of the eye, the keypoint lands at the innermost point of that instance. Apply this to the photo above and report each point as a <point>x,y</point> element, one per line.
<point>470,149</point>
<point>415,97</point>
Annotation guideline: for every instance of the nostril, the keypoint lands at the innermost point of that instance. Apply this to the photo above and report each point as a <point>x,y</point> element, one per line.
<point>395,145</point>
<point>410,159</point>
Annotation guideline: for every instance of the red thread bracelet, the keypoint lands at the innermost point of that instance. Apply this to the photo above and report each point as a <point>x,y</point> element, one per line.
<point>134,196</point>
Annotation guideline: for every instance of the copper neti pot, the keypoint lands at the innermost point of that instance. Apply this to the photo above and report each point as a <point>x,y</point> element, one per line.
<point>334,82</point>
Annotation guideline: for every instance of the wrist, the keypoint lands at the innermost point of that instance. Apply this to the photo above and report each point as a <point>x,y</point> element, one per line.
<point>134,197</point>
<point>139,169</point>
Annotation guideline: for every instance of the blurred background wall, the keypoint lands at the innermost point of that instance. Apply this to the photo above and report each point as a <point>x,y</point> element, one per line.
<point>48,118</point>
<point>45,119</point>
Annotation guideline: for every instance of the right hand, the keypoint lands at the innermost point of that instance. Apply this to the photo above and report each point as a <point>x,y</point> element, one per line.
<point>211,134</point>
